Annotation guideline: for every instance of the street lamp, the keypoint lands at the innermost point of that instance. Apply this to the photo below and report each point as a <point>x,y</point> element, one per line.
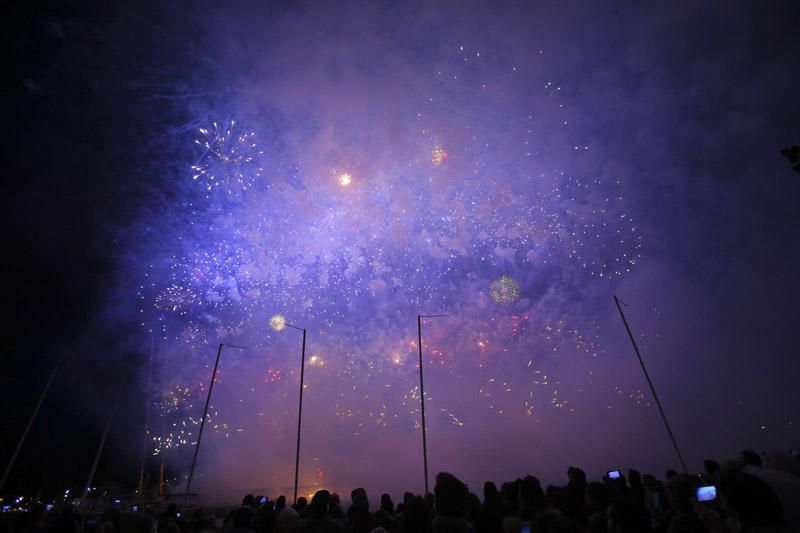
<point>422,397</point>
<point>205,411</point>
<point>277,323</point>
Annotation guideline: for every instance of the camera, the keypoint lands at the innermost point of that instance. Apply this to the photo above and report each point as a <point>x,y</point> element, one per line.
<point>707,493</point>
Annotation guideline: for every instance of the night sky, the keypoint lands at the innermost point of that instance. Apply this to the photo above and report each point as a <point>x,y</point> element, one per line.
<point>183,174</point>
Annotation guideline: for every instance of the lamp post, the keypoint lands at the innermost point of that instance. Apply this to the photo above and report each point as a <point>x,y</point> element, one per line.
<point>422,397</point>
<point>278,323</point>
<point>205,412</point>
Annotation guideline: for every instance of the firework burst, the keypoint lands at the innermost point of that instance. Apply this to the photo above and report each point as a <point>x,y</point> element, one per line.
<point>230,158</point>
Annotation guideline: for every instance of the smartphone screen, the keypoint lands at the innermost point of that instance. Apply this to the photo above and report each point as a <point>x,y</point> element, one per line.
<point>613,474</point>
<point>707,493</point>
<point>525,527</point>
<point>263,499</point>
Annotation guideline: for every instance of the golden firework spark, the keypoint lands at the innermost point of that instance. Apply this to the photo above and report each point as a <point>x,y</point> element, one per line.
<point>504,290</point>
<point>277,322</point>
<point>438,155</point>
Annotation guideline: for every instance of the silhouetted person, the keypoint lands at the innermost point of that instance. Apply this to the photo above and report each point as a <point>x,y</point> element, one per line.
<point>793,154</point>
<point>358,515</point>
<point>451,505</point>
<point>491,520</point>
<point>575,495</point>
<point>416,518</point>
<point>531,498</point>
<point>280,503</point>
<point>753,505</point>
<point>385,516</point>
<point>751,458</point>
<point>300,505</point>
<point>287,521</point>
<point>335,508</point>
<point>636,487</point>
<point>597,500</point>
<point>509,498</point>
<point>711,467</point>
<point>682,516</point>
<point>430,500</point>
<point>242,520</point>
<point>319,521</point>
<point>473,509</point>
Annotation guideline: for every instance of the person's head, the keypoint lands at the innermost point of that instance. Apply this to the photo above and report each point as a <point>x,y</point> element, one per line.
<point>386,503</point>
<point>451,495</point>
<point>248,500</point>
<point>509,497</point>
<point>320,503</point>
<point>301,503</point>
<point>751,458</point>
<point>634,477</point>
<point>360,501</point>
<point>490,493</point>
<point>576,475</point>
<point>554,495</point>
<point>407,497</point>
<point>531,495</point>
<point>751,502</point>
<point>669,474</point>
<point>711,467</point>
<point>280,503</point>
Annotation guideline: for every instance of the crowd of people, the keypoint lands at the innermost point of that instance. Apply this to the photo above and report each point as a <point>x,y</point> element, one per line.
<point>741,496</point>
